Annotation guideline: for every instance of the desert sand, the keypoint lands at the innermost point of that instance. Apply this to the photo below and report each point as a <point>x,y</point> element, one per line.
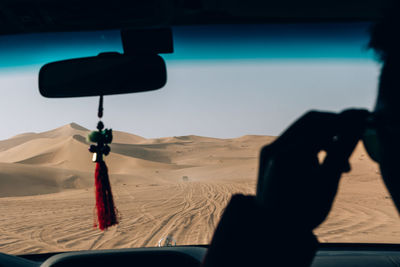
<point>174,186</point>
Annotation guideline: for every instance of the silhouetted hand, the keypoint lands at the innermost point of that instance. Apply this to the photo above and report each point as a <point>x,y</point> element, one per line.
<point>293,186</point>
<point>295,193</point>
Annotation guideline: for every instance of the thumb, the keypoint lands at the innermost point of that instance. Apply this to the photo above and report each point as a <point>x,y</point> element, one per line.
<point>350,127</point>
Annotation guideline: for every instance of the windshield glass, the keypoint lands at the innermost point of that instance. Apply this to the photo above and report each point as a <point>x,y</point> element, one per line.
<point>179,153</point>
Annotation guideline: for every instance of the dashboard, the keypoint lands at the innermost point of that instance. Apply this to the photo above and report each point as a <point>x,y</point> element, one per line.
<point>329,255</point>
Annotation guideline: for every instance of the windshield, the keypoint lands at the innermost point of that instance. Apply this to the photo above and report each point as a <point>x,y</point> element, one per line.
<point>179,153</point>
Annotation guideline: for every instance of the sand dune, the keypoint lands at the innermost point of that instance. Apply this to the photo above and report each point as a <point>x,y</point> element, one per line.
<point>26,180</point>
<point>175,186</point>
<point>127,138</point>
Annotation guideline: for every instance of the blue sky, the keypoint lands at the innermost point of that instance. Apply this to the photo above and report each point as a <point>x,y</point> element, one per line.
<point>222,81</point>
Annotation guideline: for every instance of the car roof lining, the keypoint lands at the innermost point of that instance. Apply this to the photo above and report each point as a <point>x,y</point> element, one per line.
<point>33,16</point>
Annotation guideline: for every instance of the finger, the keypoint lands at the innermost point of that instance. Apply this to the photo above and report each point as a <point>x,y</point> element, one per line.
<point>306,136</point>
<point>283,172</point>
<point>350,127</point>
<point>265,169</point>
<point>311,133</point>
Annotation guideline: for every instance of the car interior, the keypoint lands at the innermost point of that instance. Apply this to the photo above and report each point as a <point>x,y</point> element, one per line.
<point>148,30</point>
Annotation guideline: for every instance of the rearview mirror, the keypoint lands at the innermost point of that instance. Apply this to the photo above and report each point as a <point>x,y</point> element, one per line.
<point>105,74</point>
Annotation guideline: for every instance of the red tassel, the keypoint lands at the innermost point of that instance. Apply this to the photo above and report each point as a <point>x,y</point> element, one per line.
<point>106,211</point>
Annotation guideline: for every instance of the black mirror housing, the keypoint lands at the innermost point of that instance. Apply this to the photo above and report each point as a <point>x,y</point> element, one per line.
<point>105,74</point>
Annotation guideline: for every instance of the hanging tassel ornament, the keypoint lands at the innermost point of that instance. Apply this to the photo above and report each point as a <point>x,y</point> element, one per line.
<point>105,208</point>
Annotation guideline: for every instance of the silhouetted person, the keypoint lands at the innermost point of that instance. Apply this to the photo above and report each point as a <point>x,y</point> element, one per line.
<point>385,40</point>
<point>295,191</point>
